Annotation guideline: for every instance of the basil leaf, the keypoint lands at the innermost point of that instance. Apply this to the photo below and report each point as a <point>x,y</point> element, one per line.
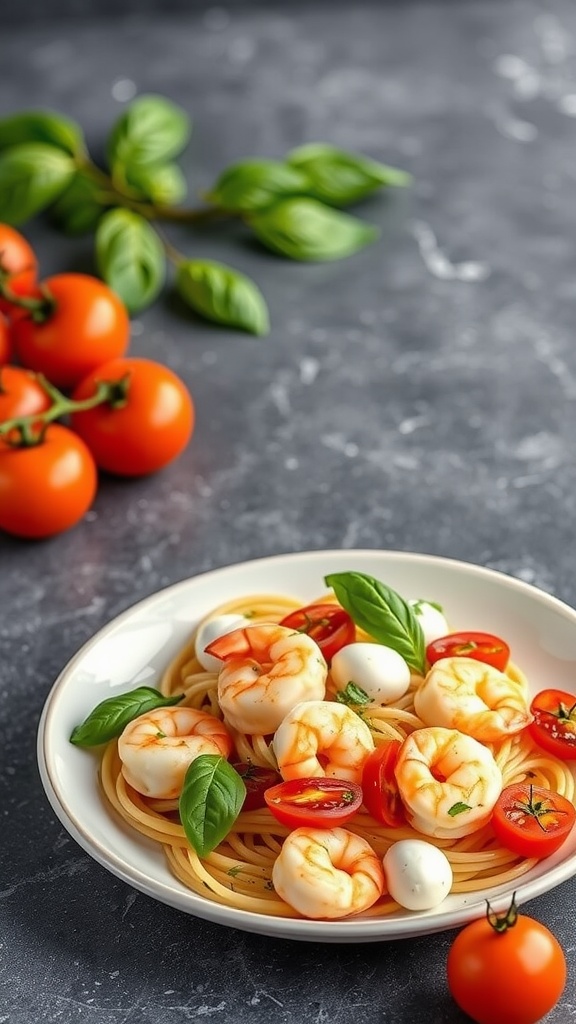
<point>151,130</point>
<point>458,808</point>
<point>353,694</point>
<point>130,257</point>
<point>304,229</point>
<point>340,178</point>
<point>79,208</point>
<point>221,294</point>
<point>161,183</point>
<point>256,184</point>
<point>210,802</point>
<point>31,177</point>
<point>42,126</point>
<point>111,716</point>
<point>382,613</point>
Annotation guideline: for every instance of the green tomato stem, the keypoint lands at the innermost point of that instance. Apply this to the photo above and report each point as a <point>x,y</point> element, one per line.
<point>27,431</point>
<point>502,922</point>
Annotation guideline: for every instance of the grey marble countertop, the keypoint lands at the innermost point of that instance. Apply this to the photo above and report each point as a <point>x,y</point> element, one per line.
<point>420,396</point>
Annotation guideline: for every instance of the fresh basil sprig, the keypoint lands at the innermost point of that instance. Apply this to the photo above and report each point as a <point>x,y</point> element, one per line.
<point>382,613</point>
<point>210,801</point>
<point>305,229</point>
<point>111,716</point>
<point>290,204</point>
<point>151,130</point>
<point>353,695</point>
<point>32,175</point>
<point>42,126</point>
<point>339,178</point>
<point>130,257</point>
<point>223,295</point>
<point>256,184</point>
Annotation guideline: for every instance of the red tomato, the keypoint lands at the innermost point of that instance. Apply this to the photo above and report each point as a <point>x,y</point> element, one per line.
<point>5,343</point>
<point>18,264</point>
<point>531,821</point>
<point>328,624</point>
<point>47,487</point>
<point>84,324</point>
<point>506,969</point>
<point>554,725</point>
<point>21,394</point>
<point>318,803</point>
<point>145,429</point>
<point>381,795</point>
<point>480,646</point>
<point>256,780</point>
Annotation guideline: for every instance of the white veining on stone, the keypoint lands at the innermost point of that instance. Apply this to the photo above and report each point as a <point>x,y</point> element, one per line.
<point>438,264</point>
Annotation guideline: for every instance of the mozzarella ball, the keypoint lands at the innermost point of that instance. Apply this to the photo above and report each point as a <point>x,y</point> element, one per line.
<point>210,631</point>
<point>418,874</point>
<point>432,620</point>
<point>378,670</point>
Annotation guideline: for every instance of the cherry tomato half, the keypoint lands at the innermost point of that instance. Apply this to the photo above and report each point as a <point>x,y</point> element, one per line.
<point>21,394</point>
<point>381,794</point>
<point>47,487</point>
<point>532,821</point>
<point>317,802</point>
<point>509,976</point>
<point>481,646</point>
<point>84,325</point>
<point>554,725</point>
<point>328,624</point>
<point>257,780</point>
<point>18,264</point>
<point>142,432</point>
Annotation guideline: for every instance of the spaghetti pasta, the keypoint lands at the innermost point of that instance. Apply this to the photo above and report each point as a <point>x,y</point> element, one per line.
<point>238,872</point>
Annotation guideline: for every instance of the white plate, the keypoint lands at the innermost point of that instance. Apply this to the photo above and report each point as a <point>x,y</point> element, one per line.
<point>136,647</point>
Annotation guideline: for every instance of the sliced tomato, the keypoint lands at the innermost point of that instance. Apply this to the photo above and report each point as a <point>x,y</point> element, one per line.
<point>316,803</point>
<point>256,780</point>
<point>531,821</point>
<point>381,795</point>
<point>481,646</point>
<point>554,725</point>
<point>328,624</point>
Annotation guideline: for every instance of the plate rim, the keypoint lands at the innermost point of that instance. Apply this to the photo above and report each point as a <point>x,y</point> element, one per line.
<point>175,894</point>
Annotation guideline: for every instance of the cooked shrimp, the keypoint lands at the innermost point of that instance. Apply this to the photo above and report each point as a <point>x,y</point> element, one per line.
<point>157,747</point>
<point>321,737</point>
<point>327,873</point>
<point>448,782</point>
<point>267,669</point>
<point>464,694</point>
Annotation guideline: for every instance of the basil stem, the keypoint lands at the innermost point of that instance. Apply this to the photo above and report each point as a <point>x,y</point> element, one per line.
<point>111,716</point>
<point>382,613</point>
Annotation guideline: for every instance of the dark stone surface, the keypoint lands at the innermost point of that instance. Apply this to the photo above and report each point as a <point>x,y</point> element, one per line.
<point>420,396</point>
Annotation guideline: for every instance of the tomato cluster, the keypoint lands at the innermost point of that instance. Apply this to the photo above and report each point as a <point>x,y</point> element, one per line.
<point>63,357</point>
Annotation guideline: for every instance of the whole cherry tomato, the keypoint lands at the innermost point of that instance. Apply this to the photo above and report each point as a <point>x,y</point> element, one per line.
<point>18,264</point>
<point>480,646</point>
<point>78,325</point>
<point>21,394</point>
<point>5,343</point>
<point>554,725</point>
<point>316,802</point>
<point>257,780</point>
<point>532,821</point>
<point>328,624</point>
<point>506,969</point>
<point>47,487</point>
<point>149,423</point>
<point>381,794</point>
